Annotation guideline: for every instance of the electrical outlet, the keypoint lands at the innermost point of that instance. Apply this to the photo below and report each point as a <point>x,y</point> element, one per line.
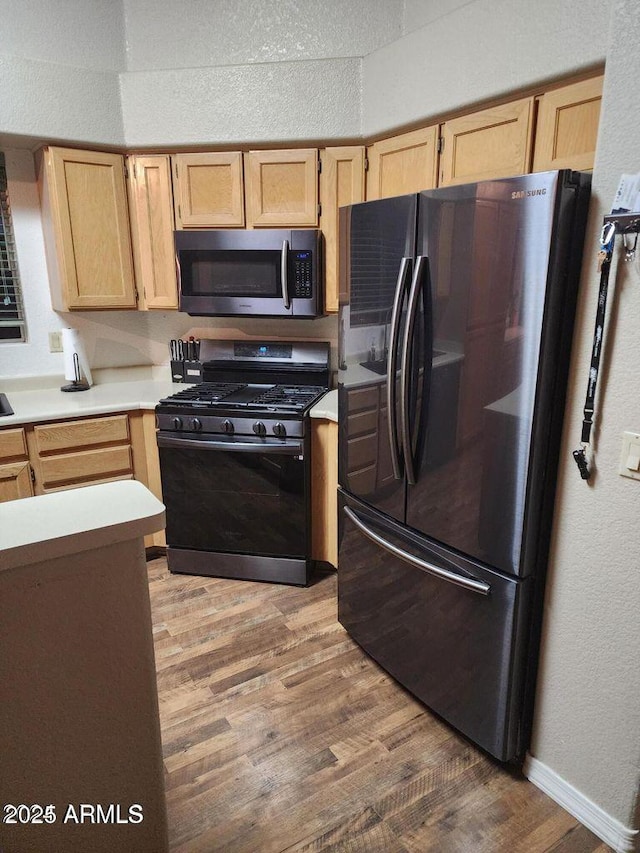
<point>55,341</point>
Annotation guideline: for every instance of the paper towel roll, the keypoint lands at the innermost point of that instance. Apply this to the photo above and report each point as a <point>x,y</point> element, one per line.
<point>72,345</point>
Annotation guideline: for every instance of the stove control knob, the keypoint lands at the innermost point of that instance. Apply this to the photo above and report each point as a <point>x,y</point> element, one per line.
<point>259,428</point>
<point>196,424</point>
<point>280,430</point>
<point>227,426</point>
<point>177,423</point>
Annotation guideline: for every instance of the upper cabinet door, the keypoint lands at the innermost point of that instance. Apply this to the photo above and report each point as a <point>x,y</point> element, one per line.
<point>86,224</point>
<point>568,126</point>
<point>282,188</point>
<point>403,164</point>
<point>341,183</point>
<point>492,143</point>
<point>151,210</point>
<point>208,190</point>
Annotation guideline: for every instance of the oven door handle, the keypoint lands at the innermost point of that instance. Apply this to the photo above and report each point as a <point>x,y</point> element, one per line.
<point>284,264</point>
<point>287,447</point>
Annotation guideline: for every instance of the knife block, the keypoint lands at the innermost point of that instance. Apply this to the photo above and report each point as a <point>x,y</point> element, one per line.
<point>188,370</point>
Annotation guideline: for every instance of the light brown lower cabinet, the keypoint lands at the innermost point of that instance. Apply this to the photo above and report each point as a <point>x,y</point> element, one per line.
<point>56,455</point>
<point>15,470</point>
<point>324,491</point>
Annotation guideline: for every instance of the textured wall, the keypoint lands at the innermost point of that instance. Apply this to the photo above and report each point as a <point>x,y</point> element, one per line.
<point>85,33</point>
<point>59,65</point>
<point>163,34</point>
<point>249,103</point>
<point>588,705</point>
<point>419,13</point>
<point>484,49</point>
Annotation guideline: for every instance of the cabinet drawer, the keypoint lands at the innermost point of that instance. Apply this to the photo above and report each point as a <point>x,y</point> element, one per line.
<point>15,481</point>
<point>104,462</point>
<point>362,422</point>
<point>12,444</point>
<point>362,451</point>
<point>363,398</point>
<point>71,434</point>
<point>364,481</point>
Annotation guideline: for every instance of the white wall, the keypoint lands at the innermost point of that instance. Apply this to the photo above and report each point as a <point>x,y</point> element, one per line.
<point>254,71</point>
<point>483,49</point>
<point>252,103</point>
<point>59,64</point>
<point>163,34</point>
<point>587,722</point>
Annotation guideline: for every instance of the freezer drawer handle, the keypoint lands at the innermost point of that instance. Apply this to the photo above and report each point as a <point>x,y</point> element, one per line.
<point>468,583</point>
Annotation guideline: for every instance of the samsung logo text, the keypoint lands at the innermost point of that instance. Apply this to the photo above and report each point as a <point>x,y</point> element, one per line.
<point>528,193</point>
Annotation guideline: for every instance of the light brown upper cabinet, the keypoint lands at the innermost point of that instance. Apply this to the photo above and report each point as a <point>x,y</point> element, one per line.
<point>208,190</point>
<point>86,229</point>
<point>491,143</point>
<point>151,211</point>
<point>282,188</point>
<point>403,164</point>
<point>341,183</point>
<point>567,127</point>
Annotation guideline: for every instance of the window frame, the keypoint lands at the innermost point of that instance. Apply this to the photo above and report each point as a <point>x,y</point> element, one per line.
<point>13,327</point>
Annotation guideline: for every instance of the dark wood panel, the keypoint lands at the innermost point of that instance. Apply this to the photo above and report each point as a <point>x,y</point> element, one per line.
<point>281,736</point>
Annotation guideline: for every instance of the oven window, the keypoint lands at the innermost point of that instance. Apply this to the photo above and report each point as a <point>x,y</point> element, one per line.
<point>220,273</point>
<point>235,502</point>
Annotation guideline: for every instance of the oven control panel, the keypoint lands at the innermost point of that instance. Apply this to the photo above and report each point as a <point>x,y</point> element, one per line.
<point>263,427</point>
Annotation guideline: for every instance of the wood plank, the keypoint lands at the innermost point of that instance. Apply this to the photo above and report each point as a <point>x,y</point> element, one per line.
<point>281,735</point>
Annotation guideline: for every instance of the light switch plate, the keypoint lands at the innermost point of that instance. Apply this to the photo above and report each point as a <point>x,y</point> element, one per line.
<point>630,456</point>
<point>55,341</point>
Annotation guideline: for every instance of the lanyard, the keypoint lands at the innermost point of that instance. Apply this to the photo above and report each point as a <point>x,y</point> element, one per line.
<point>607,239</point>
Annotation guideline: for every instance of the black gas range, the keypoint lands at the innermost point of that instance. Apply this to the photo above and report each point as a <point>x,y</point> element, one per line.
<point>235,461</point>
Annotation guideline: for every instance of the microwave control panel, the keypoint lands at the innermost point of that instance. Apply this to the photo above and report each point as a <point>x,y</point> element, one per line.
<point>302,274</point>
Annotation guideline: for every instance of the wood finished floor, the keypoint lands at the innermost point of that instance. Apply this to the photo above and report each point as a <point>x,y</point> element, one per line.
<point>280,734</point>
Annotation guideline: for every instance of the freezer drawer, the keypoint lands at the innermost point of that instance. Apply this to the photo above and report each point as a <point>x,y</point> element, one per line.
<point>460,649</point>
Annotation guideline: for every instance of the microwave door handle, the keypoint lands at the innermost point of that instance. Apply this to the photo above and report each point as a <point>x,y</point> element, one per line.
<point>178,273</point>
<point>284,263</point>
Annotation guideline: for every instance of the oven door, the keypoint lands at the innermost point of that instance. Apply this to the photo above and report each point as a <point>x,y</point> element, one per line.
<point>236,498</point>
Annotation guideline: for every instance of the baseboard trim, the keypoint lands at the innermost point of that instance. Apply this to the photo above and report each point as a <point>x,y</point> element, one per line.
<point>608,828</point>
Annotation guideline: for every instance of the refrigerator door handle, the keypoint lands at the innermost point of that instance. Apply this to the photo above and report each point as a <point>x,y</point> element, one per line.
<point>392,367</point>
<point>472,584</point>
<point>405,380</point>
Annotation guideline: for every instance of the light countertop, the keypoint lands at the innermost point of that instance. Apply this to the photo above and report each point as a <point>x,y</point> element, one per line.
<point>105,397</point>
<point>46,404</point>
<point>327,407</point>
<point>76,520</point>
<point>353,374</point>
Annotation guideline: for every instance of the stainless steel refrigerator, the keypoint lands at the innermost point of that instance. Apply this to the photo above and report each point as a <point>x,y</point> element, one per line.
<point>455,336</point>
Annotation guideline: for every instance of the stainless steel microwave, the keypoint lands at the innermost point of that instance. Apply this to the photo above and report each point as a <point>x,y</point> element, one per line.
<point>265,273</point>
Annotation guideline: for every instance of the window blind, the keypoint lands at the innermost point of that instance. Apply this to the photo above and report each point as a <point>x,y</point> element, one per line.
<point>12,323</point>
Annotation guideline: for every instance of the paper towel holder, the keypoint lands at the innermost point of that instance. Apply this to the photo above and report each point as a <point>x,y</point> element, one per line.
<point>77,384</point>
